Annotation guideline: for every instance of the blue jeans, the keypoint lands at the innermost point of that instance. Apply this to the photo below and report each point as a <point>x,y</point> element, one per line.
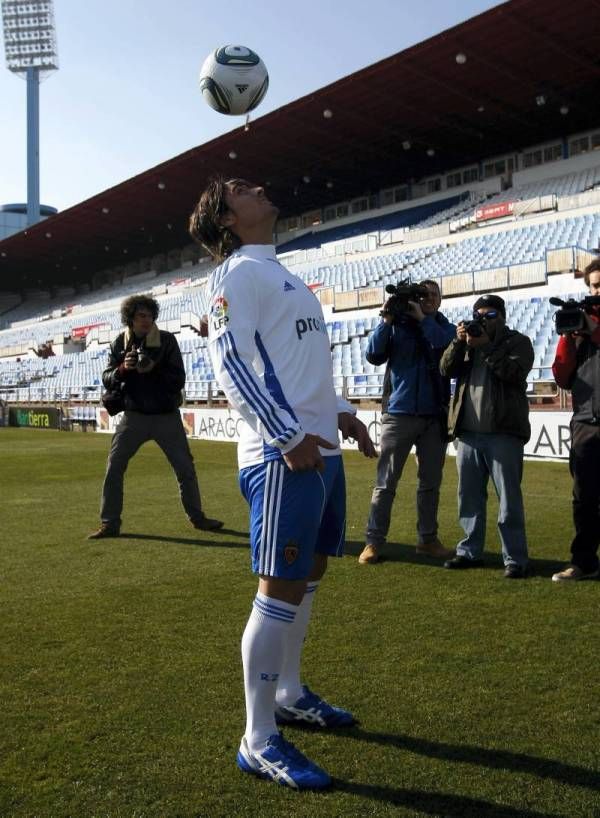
<point>479,457</point>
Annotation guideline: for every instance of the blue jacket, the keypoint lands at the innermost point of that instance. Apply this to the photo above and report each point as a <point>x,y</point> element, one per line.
<point>412,352</point>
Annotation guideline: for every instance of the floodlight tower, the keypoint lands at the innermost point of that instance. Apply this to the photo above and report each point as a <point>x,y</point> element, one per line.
<point>30,47</point>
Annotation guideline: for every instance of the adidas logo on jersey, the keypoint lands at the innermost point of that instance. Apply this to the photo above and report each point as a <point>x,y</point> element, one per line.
<point>242,88</point>
<point>287,287</point>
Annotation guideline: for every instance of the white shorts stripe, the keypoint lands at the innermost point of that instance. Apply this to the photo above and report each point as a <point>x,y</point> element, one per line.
<point>270,517</point>
<point>275,510</point>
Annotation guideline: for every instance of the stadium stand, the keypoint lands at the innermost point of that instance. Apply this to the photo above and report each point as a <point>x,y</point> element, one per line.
<point>349,268</point>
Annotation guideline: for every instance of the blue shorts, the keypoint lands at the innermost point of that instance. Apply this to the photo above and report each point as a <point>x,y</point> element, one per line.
<point>294,515</point>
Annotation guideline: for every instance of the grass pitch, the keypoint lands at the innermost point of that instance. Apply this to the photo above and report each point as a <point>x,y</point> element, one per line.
<point>120,671</point>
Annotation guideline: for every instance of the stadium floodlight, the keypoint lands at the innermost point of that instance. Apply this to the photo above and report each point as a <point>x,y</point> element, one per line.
<point>30,48</point>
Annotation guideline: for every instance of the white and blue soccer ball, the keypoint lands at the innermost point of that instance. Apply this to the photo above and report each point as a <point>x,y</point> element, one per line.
<point>233,80</point>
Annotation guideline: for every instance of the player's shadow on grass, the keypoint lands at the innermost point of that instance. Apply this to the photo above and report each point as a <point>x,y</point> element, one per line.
<point>220,540</point>
<point>403,552</point>
<point>435,803</point>
<point>484,757</point>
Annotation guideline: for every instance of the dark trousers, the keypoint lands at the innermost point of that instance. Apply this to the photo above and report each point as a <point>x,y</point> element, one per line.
<point>399,434</point>
<point>134,430</point>
<point>585,469</point>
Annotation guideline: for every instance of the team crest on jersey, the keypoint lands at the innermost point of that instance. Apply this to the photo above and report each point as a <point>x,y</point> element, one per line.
<point>291,551</point>
<point>219,312</point>
<point>287,287</point>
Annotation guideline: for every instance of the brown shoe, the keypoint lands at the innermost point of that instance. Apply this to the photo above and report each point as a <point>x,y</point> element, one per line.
<point>105,530</point>
<point>434,548</point>
<point>368,555</point>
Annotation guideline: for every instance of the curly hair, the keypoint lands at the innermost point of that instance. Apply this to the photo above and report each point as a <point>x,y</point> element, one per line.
<point>205,221</point>
<point>130,306</point>
<point>593,267</point>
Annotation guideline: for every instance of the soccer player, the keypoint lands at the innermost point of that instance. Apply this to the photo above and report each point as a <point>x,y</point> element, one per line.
<point>271,354</point>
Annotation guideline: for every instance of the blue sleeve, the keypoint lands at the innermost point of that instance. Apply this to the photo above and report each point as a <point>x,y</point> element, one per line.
<point>438,332</point>
<point>378,345</point>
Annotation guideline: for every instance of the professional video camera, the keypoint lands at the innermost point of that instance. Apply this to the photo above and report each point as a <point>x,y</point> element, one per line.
<point>401,293</point>
<point>571,315</point>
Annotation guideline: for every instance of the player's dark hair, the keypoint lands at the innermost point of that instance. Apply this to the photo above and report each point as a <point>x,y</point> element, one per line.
<point>131,305</point>
<point>593,267</point>
<point>205,222</point>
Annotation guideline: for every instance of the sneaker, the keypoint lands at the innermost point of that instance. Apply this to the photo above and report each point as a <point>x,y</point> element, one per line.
<point>105,530</point>
<point>368,555</point>
<point>514,571</point>
<point>205,523</point>
<point>283,763</point>
<point>573,573</point>
<point>459,561</point>
<point>312,709</point>
<point>434,548</point>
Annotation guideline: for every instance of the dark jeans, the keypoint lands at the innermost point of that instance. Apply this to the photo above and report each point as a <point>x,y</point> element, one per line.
<point>134,430</point>
<point>585,469</point>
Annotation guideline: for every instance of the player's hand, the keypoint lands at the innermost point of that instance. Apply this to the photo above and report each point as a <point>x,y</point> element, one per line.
<point>350,426</point>
<point>415,311</point>
<point>131,359</point>
<point>306,455</point>
<point>461,332</point>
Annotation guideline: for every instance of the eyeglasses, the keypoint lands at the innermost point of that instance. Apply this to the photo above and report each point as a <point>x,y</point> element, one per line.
<point>490,314</point>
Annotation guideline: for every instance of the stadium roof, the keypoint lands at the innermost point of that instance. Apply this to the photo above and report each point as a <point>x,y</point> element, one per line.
<point>465,111</point>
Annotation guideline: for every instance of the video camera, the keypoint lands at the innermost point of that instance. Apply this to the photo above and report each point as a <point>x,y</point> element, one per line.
<point>571,315</point>
<point>401,293</point>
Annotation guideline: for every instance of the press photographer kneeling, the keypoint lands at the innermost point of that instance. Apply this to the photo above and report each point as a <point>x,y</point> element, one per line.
<point>410,339</point>
<point>577,367</point>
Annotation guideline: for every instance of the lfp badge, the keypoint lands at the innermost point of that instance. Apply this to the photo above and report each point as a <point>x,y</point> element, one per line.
<point>218,312</point>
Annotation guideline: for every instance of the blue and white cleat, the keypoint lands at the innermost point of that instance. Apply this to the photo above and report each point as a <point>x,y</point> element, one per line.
<point>281,762</point>
<point>312,709</point>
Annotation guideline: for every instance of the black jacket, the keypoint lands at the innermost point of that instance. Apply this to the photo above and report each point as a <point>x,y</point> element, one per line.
<point>155,392</point>
<point>509,358</point>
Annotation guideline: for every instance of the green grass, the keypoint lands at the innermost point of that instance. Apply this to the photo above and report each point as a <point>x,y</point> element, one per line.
<point>120,672</point>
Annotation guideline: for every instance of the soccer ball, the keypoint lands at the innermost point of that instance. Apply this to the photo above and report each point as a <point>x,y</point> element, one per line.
<point>233,80</point>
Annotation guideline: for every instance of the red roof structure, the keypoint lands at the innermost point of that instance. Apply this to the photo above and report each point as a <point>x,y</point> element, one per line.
<point>467,111</point>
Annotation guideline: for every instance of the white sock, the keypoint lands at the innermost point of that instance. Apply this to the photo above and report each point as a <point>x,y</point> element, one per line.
<point>263,647</point>
<point>289,689</point>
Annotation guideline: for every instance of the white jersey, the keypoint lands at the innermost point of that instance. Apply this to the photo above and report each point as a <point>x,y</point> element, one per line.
<point>271,355</point>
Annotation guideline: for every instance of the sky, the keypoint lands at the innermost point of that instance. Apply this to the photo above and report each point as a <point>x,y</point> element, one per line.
<point>126,95</point>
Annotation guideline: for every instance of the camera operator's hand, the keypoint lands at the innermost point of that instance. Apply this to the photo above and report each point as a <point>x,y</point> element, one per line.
<point>415,311</point>
<point>131,360</point>
<point>386,312</point>
<point>590,325</point>
<point>461,332</point>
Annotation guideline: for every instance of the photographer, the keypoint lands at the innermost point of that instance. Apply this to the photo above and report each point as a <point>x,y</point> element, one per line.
<point>489,414</point>
<point>577,367</point>
<point>410,338</point>
<point>146,374</point>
